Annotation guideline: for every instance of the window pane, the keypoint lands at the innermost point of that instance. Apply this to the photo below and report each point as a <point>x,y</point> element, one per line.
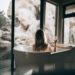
<point>70,9</point>
<point>5,38</point>
<point>27,19</point>
<point>69,30</point>
<point>50,19</point>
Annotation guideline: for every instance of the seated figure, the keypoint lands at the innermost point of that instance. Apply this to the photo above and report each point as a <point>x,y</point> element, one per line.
<point>40,44</point>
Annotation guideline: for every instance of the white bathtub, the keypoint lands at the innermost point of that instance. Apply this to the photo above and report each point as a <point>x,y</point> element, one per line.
<point>24,55</point>
<point>28,57</point>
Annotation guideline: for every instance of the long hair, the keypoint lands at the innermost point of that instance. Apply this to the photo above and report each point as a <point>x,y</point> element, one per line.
<point>39,41</point>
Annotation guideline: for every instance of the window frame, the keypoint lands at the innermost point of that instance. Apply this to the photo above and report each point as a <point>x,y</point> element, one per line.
<point>12,37</point>
<point>71,14</point>
<point>67,15</point>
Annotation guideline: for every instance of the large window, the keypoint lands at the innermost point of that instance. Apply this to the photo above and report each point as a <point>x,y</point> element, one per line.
<point>27,18</point>
<point>50,17</point>
<point>69,25</point>
<point>5,38</point>
<point>27,21</point>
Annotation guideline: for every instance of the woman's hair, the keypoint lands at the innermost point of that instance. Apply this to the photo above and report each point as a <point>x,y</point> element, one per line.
<point>39,41</point>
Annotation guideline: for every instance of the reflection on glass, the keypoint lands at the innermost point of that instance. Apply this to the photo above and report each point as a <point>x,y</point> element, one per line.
<point>5,38</point>
<point>69,30</point>
<point>70,9</point>
<point>50,20</point>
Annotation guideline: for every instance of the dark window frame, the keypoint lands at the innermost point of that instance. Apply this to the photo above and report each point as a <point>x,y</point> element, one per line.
<point>12,37</point>
<point>67,15</point>
<point>42,13</point>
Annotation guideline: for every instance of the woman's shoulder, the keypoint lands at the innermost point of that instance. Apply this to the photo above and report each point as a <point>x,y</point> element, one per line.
<point>50,48</point>
<point>47,48</point>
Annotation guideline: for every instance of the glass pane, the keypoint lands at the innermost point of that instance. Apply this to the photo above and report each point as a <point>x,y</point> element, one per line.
<point>69,30</point>
<point>70,9</point>
<point>5,38</point>
<point>50,20</point>
<point>27,21</point>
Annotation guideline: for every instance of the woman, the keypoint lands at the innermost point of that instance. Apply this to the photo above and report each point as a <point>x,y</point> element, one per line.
<point>40,44</point>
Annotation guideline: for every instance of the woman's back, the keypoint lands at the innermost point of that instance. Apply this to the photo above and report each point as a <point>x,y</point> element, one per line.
<point>40,44</point>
